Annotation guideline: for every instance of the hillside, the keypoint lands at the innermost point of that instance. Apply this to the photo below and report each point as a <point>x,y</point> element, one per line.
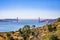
<point>47,32</point>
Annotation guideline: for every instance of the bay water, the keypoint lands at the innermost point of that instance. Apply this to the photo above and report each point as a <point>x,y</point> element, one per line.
<point>13,26</point>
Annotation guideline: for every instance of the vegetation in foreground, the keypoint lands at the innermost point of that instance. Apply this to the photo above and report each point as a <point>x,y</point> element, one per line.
<point>47,32</point>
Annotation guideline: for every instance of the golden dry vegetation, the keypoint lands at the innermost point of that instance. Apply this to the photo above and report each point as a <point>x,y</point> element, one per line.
<point>47,32</point>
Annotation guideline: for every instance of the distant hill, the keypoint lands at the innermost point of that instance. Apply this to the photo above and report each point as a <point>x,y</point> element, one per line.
<point>11,20</point>
<point>7,20</point>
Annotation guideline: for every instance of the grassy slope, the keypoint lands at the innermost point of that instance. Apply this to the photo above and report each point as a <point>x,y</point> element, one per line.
<point>44,33</point>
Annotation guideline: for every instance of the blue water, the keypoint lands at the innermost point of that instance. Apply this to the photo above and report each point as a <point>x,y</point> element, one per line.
<point>13,26</point>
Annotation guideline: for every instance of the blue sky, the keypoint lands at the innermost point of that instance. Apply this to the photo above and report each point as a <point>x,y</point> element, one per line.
<point>29,9</point>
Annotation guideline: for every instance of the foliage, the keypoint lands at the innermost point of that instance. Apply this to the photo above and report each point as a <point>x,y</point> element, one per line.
<point>54,37</point>
<point>11,38</point>
<point>8,35</point>
<point>50,28</point>
<point>47,36</point>
<point>58,20</point>
<point>54,28</point>
<point>16,39</point>
<point>12,32</point>
<point>20,30</point>
<point>25,32</point>
<point>33,33</point>
<point>26,27</point>
<point>33,26</point>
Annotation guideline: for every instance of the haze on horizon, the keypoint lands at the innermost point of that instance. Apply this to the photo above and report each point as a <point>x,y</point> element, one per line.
<point>29,9</point>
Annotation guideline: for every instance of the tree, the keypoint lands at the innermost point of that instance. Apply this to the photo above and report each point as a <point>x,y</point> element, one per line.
<point>58,20</point>
<point>33,33</point>
<point>34,30</point>
<point>12,32</point>
<point>54,37</point>
<point>11,38</point>
<point>54,28</point>
<point>8,35</point>
<point>26,27</point>
<point>25,32</point>
<point>50,28</point>
<point>20,30</point>
<point>33,26</point>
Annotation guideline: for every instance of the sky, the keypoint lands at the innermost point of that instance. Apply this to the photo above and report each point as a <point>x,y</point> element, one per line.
<point>29,9</point>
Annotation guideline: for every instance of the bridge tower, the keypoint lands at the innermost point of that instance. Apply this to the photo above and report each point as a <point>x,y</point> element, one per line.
<point>39,19</point>
<point>17,19</point>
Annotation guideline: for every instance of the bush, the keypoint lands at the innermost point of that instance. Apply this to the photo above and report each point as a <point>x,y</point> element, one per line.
<point>53,37</point>
<point>25,32</point>
<point>8,35</point>
<point>33,33</point>
<point>54,28</point>
<point>58,20</point>
<point>12,32</point>
<point>11,38</point>
<point>20,31</point>
<point>50,28</point>
<point>33,26</point>
<point>26,27</point>
<point>16,39</point>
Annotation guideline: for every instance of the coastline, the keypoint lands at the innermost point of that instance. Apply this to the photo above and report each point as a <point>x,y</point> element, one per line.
<point>40,33</point>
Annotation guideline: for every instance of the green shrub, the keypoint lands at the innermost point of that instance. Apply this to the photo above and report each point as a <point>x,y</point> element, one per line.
<point>33,26</point>
<point>26,27</point>
<point>16,39</point>
<point>54,28</point>
<point>50,28</point>
<point>8,35</point>
<point>54,37</point>
<point>11,38</point>
<point>25,32</point>
<point>20,30</point>
<point>58,20</point>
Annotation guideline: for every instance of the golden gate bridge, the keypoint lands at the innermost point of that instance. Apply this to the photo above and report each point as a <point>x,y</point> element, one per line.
<point>17,20</point>
<point>39,20</point>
